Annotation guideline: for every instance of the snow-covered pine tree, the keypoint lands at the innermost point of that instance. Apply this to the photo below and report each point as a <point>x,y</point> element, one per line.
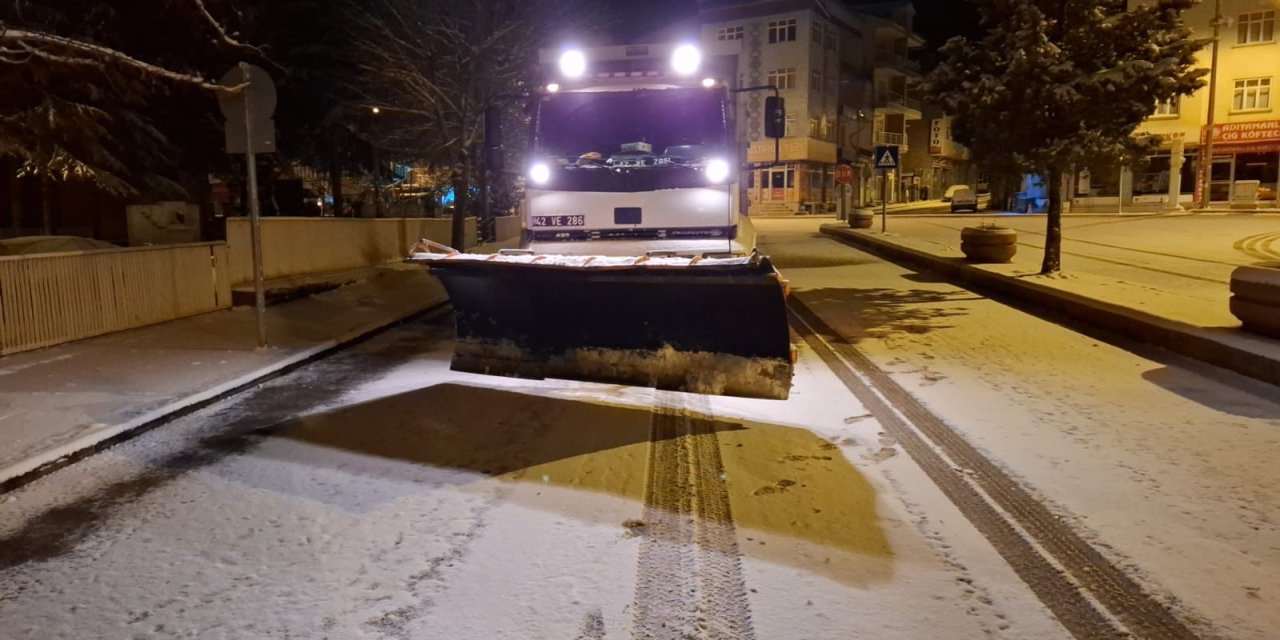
<point>88,88</point>
<point>1059,83</point>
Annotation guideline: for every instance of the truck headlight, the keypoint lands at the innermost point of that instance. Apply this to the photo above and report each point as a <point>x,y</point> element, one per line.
<point>540,173</point>
<point>717,170</point>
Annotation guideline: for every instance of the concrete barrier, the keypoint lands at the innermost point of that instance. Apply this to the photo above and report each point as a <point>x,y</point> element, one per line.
<point>1255,298</point>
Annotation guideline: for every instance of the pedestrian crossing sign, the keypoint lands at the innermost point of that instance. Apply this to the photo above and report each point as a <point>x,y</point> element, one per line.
<point>886,157</point>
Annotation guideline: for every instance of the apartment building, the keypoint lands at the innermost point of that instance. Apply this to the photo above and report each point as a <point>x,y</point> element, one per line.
<point>1245,132</point>
<point>844,71</point>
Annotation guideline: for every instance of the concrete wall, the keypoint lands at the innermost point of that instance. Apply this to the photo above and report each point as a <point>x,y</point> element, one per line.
<point>296,246</point>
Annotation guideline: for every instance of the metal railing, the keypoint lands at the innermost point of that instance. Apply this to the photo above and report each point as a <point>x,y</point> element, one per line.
<point>890,137</point>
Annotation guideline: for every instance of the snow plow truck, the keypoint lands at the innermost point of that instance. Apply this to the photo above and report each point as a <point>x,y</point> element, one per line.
<point>624,153</point>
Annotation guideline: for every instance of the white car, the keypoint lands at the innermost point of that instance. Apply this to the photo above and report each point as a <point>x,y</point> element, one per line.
<point>951,191</point>
<point>964,198</point>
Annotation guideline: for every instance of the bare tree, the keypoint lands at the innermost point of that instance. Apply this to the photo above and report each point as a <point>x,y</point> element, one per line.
<point>434,67</point>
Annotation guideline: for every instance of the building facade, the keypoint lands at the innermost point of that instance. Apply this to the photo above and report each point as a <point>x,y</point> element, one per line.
<point>844,72</point>
<point>1245,167</point>
<point>935,160</point>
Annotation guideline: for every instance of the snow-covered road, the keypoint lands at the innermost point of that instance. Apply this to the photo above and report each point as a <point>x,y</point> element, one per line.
<point>1167,466</point>
<point>376,494</point>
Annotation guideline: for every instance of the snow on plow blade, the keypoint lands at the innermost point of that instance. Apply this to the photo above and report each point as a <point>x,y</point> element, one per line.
<point>715,326</point>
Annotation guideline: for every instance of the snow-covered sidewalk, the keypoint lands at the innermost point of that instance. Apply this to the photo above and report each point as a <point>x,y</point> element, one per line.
<point>58,402</point>
<point>1156,279</point>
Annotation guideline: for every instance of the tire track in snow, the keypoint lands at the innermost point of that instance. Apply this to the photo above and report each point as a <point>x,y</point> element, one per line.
<point>689,579</point>
<point>1089,595</point>
<point>1259,246</point>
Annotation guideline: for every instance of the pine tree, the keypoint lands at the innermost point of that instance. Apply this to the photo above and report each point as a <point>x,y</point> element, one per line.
<point>1059,83</point>
<point>99,90</point>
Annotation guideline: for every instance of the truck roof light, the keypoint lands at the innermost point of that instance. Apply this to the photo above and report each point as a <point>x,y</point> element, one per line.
<point>573,63</point>
<point>686,59</point>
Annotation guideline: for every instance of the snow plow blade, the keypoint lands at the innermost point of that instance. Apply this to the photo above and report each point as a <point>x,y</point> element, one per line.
<point>714,326</point>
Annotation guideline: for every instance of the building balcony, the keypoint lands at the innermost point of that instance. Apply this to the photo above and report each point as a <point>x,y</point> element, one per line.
<point>891,137</point>
<point>890,102</point>
<point>897,62</point>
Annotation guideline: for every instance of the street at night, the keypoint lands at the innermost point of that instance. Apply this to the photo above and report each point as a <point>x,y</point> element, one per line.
<point>673,320</point>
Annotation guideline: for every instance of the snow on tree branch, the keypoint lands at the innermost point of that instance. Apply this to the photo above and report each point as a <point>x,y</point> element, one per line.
<point>31,41</point>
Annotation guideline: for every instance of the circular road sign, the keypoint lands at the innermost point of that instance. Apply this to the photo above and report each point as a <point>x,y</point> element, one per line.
<point>844,174</point>
<point>260,87</point>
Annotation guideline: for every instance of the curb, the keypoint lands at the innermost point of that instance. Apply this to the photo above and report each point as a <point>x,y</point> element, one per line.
<point>37,466</point>
<point>1188,340</point>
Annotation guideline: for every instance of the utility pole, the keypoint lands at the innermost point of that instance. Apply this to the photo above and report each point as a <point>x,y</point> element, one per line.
<point>255,217</point>
<point>1206,146</point>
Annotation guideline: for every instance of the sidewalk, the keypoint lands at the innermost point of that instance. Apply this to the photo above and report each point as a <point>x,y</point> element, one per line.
<point>64,401</point>
<point>1159,280</point>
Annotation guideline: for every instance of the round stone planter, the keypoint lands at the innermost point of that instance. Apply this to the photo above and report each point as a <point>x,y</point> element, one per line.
<point>988,244</point>
<point>862,218</point>
<point>1255,297</point>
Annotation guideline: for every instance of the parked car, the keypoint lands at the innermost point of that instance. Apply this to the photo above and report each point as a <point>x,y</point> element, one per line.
<point>951,191</point>
<point>28,245</point>
<point>965,198</point>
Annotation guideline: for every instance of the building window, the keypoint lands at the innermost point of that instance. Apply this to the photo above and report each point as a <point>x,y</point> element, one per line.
<point>1253,94</point>
<point>815,80</point>
<point>831,39</point>
<point>783,78</point>
<point>817,34</point>
<point>791,178</point>
<point>729,33</point>
<point>814,130</point>
<point>782,31</point>
<point>790,126</point>
<point>1167,107</point>
<point>1259,26</point>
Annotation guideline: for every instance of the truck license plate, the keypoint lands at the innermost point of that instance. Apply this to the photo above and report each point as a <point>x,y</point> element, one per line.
<point>559,221</point>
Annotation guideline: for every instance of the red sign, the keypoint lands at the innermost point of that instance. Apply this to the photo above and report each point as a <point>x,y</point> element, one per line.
<point>1247,132</point>
<point>844,174</point>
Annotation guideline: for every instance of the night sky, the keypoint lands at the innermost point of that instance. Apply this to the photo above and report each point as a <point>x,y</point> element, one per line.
<point>939,20</point>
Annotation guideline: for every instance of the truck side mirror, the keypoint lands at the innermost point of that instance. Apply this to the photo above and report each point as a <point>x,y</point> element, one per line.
<point>775,117</point>
<point>493,156</point>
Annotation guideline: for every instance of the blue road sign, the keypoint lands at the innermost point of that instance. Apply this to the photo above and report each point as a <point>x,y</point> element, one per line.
<point>886,157</point>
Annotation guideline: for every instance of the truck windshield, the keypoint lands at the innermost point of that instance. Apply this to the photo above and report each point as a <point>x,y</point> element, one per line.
<point>660,131</point>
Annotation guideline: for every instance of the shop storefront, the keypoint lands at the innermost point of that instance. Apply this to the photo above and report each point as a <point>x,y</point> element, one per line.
<point>1244,152</point>
<point>796,187</point>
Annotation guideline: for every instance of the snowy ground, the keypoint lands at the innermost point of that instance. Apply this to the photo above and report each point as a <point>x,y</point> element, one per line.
<point>1168,465</point>
<point>379,495</point>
